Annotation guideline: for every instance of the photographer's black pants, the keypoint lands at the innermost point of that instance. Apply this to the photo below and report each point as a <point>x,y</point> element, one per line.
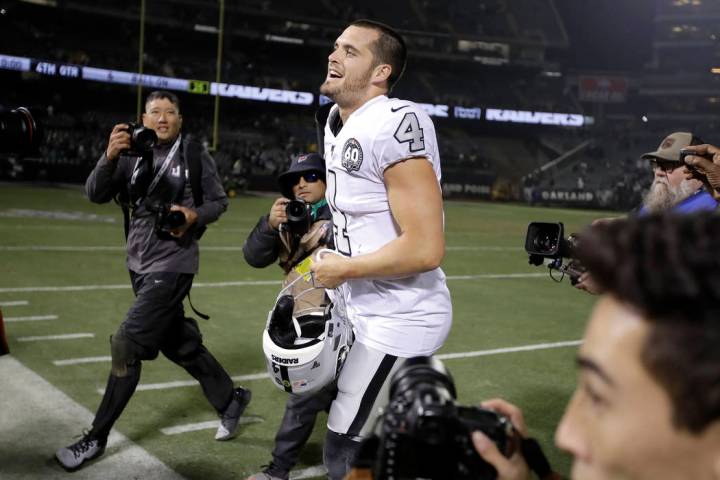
<point>156,323</point>
<point>297,426</point>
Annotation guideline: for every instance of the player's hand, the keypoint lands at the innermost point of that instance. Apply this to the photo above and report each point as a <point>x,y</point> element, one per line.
<point>277,213</point>
<point>705,166</point>
<point>330,269</point>
<point>190,219</point>
<point>600,222</point>
<point>587,283</point>
<point>119,141</point>
<point>515,467</point>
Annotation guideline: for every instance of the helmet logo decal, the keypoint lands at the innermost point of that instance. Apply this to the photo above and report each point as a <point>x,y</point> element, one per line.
<point>285,361</point>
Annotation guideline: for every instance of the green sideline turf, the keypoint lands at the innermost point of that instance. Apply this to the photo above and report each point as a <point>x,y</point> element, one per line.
<point>482,238</point>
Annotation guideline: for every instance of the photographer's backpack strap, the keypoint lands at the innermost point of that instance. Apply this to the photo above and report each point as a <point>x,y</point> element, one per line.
<point>193,157</point>
<point>122,198</point>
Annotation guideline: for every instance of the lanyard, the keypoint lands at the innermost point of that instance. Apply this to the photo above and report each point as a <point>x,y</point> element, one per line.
<point>164,166</point>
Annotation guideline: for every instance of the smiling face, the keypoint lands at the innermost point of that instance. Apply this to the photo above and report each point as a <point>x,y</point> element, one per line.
<point>164,117</point>
<point>618,424</point>
<point>352,72</point>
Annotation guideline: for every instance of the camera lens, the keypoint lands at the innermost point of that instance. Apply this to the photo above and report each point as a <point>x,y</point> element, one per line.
<point>18,131</point>
<point>144,139</point>
<point>175,219</point>
<point>295,209</point>
<point>544,243</point>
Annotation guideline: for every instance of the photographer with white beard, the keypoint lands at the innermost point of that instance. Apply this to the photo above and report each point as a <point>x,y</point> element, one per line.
<point>673,188</point>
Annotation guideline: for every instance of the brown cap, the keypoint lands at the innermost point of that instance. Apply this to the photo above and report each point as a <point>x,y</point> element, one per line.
<point>669,149</point>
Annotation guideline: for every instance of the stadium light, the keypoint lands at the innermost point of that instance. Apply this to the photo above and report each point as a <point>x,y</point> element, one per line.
<point>283,39</point>
<point>205,28</point>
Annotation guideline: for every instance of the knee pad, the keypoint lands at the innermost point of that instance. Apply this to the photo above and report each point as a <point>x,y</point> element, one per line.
<point>123,354</point>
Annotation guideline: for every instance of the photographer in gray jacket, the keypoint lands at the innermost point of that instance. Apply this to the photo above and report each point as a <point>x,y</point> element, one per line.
<point>170,186</point>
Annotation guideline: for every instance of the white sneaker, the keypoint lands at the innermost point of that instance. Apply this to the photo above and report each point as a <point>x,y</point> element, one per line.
<point>230,418</point>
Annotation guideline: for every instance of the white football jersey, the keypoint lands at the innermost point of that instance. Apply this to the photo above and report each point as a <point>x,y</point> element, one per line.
<point>408,316</point>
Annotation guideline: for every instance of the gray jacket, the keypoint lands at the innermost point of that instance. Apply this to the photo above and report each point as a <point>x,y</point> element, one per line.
<point>146,252</point>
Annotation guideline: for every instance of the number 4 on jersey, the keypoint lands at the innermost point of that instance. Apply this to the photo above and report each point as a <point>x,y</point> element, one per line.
<point>409,131</point>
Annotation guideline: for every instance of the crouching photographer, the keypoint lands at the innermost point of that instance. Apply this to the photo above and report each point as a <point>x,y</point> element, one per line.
<point>170,190</point>
<point>424,433</point>
<point>298,224</point>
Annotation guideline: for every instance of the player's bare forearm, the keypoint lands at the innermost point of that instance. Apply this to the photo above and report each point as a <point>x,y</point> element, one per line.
<point>397,259</point>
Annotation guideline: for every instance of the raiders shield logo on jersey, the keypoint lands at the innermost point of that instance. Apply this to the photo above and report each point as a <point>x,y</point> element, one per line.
<point>352,155</point>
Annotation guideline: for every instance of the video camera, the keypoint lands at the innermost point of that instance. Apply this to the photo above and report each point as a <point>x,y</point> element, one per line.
<point>547,241</point>
<point>299,217</point>
<point>424,433</point>
<point>142,139</point>
<point>19,132</point>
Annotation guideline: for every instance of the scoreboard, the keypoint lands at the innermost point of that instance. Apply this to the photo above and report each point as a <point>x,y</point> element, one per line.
<point>200,87</point>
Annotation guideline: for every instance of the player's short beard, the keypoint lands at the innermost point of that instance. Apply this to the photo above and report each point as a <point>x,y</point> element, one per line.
<point>663,196</point>
<point>350,91</point>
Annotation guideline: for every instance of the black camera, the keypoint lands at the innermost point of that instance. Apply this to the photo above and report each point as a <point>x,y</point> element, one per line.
<point>166,220</point>
<point>547,240</point>
<point>19,132</point>
<point>142,139</point>
<point>299,217</point>
<point>686,153</point>
<point>424,434</point>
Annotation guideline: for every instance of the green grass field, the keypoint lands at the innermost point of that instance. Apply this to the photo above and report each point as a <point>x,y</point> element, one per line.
<point>38,249</point>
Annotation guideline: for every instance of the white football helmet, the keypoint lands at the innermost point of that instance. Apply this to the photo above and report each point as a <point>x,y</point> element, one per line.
<point>305,342</point>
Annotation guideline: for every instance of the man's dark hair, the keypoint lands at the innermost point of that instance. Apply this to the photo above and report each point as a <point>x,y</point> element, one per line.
<point>667,267</point>
<point>160,94</point>
<point>389,48</point>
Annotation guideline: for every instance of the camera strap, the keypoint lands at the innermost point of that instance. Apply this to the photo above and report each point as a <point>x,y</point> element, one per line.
<point>164,166</point>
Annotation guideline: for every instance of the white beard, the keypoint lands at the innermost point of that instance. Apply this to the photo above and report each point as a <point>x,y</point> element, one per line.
<point>662,196</point>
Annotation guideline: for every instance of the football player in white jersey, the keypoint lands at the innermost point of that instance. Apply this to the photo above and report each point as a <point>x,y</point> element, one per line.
<point>383,188</point>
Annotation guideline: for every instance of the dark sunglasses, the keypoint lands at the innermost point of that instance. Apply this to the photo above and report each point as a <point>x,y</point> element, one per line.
<point>310,177</point>
<point>665,166</point>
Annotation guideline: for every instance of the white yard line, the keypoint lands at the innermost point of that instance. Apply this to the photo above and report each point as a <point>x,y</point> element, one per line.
<point>67,336</point>
<point>482,248</point>
<point>79,361</point>
<point>37,419</point>
<point>211,248</point>
<point>444,356</point>
<point>209,425</point>
<point>498,276</point>
<point>496,351</point>
<point>310,472</point>
<point>14,303</point>
<point>190,383</point>
<point>246,283</point>
<point>33,318</point>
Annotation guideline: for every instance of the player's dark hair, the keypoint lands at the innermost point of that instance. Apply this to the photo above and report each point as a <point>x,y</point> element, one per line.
<point>389,48</point>
<point>667,267</point>
<point>160,94</point>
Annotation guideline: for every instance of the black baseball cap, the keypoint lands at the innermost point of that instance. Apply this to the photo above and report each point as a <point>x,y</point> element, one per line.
<point>307,162</point>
